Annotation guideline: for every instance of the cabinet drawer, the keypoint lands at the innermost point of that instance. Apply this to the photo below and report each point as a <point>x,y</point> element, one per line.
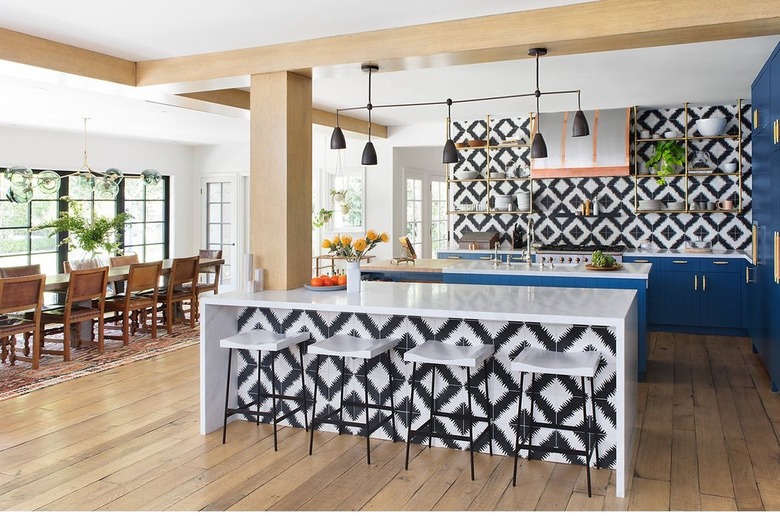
<point>722,265</point>
<point>680,264</point>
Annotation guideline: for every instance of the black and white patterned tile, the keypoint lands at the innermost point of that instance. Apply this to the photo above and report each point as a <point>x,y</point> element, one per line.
<point>555,200</point>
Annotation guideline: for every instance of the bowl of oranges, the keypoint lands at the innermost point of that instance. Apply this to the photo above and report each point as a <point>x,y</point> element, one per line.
<point>328,282</point>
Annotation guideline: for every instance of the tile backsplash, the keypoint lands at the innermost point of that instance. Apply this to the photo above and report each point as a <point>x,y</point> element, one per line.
<point>556,200</point>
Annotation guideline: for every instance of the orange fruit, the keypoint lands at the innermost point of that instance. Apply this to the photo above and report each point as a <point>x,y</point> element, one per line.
<point>327,282</point>
<point>342,280</point>
<point>316,282</point>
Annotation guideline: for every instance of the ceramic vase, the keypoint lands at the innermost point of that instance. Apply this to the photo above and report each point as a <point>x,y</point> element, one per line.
<point>353,276</point>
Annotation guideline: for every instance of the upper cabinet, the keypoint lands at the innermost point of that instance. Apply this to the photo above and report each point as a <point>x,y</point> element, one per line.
<point>604,153</point>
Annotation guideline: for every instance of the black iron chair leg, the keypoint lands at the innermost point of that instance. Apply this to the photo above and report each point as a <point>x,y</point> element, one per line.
<point>517,433</point>
<point>305,406</point>
<point>314,404</point>
<point>595,429</point>
<point>227,394</point>
<point>411,414</point>
<point>273,395</point>
<point>365,403</point>
<point>392,401</point>
<point>587,434</point>
<point>471,422</point>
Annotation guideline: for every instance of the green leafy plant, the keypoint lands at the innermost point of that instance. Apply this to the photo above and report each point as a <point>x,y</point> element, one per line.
<point>321,217</point>
<point>669,155</point>
<point>88,234</point>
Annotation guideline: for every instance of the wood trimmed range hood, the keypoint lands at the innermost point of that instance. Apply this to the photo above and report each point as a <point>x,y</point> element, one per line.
<point>605,153</point>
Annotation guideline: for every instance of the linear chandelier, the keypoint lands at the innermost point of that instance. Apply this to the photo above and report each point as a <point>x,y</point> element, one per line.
<point>23,182</point>
<point>450,153</point>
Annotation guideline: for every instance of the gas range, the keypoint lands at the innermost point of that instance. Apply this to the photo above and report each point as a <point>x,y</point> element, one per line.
<point>576,254</point>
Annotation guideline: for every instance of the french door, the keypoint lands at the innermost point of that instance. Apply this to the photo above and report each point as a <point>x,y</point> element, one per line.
<point>425,209</point>
<point>223,220</point>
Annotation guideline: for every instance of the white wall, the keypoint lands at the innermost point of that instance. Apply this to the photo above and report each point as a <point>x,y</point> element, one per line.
<point>40,149</point>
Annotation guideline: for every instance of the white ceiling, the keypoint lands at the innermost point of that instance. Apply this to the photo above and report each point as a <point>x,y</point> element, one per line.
<point>715,72</point>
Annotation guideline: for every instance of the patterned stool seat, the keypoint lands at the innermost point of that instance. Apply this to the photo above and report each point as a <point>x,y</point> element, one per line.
<point>437,353</point>
<point>261,340</point>
<point>576,364</point>
<point>346,346</point>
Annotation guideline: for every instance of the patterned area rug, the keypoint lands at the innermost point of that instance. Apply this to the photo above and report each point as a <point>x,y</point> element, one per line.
<point>21,378</point>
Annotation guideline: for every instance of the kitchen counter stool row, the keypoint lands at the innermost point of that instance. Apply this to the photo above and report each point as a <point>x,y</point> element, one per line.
<point>424,358</point>
<point>92,300</point>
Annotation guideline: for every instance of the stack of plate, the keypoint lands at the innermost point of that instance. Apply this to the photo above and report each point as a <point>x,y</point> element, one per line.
<point>675,205</point>
<point>523,201</point>
<point>648,204</point>
<point>503,202</point>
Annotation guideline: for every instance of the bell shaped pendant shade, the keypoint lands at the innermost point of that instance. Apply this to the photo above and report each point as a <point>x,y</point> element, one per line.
<point>538,146</point>
<point>337,140</point>
<point>450,154</point>
<point>369,155</point>
<point>580,125</point>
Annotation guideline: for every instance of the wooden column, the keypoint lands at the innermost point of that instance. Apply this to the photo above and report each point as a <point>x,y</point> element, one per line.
<point>280,178</point>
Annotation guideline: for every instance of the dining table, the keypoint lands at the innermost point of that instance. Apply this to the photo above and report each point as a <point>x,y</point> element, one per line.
<point>59,282</point>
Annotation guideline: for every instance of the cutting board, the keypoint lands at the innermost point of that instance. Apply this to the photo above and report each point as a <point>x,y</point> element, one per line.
<point>692,250</point>
<point>615,267</point>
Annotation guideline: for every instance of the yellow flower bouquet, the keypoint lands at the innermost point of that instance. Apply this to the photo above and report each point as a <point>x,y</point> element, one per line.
<point>354,249</point>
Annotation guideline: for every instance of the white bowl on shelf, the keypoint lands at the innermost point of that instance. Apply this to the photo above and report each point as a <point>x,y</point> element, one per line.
<point>711,126</point>
<point>730,167</point>
<point>467,174</point>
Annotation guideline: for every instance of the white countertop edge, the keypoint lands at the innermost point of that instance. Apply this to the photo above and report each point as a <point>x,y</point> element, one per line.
<point>669,253</point>
<point>606,307</point>
<point>629,271</point>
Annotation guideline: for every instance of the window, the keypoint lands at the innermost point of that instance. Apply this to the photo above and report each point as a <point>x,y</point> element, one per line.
<point>348,214</point>
<point>426,222</point>
<point>146,234</point>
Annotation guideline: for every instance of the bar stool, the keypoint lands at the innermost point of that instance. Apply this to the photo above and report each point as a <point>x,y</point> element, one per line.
<point>437,353</point>
<point>578,364</point>
<point>345,346</point>
<point>262,340</point>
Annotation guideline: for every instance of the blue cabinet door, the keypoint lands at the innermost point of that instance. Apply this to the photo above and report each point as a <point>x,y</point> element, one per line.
<point>761,98</point>
<point>654,306</point>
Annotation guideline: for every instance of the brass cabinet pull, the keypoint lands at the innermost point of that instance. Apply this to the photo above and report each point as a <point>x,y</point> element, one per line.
<point>485,257</point>
<point>453,257</point>
<point>703,282</point>
<point>680,262</point>
<point>695,282</point>
<point>641,261</point>
<point>755,244</point>
<point>747,274</point>
<point>755,118</point>
<point>777,266</point>
<point>720,262</point>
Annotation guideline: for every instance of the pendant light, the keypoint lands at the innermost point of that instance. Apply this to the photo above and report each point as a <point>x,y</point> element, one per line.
<point>369,153</point>
<point>580,125</point>
<point>538,145</point>
<point>337,140</point>
<point>450,154</point>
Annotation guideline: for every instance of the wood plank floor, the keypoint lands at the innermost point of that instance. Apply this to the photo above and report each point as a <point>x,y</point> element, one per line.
<point>127,440</point>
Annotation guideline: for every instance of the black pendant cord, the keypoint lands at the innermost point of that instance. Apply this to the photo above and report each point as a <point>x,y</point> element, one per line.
<point>538,94</point>
<point>369,106</point>
<point>449,119</point>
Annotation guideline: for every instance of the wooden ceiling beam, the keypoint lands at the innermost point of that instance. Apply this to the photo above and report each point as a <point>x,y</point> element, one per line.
<point>234,97</point>
<point>34,51</point>
<point>605,25</point>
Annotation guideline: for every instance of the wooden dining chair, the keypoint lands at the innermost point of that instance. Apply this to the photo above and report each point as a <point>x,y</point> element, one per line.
<point>141,295</point>
<point>15,272</point>
<point>121,261</point>
<point>21,301</point>
<point>209,275</point>
<point>89,263</point>
<point>181,288</point>
<point>84,302</point>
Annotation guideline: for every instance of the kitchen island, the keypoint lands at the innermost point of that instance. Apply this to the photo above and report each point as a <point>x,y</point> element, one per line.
<point>509,317</point>
<point>506,272</point>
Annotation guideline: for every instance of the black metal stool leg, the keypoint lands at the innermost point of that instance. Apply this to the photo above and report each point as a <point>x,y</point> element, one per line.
<point>227,394</point>
<point>433,404</point>
<point>314,404</point>
<point>305,407</point>
<point>531,423</point>
<point>517,434</point>
<point>587,435</point>
<point>365,405</point>
<point>411,414</point>
<point>489,406</point>
<point>273,394</point>
<point>392,401</point>
<point>259,373</point>
<point>471,421</point>
<point>595,426</point>
<point>341,399</point>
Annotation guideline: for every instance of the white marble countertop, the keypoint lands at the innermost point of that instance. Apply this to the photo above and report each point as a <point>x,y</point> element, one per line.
<point>483,302</point>
<point>638,271</point>
<point>634,252</point>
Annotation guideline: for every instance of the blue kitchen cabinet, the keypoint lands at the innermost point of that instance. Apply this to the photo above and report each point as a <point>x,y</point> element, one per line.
<point>762,98</point>
<point>654,306</point>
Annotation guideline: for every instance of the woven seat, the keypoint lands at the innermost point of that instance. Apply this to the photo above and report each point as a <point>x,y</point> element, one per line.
<point>436,353</point>
<point>343,347</point>
<point>582,365</point>
<point>261,340</point>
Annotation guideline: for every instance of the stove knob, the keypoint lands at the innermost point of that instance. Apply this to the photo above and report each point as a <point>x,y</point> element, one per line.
<point>585,260</point>
<point>577,259</point>
<point>560,259</point>
<point>568,260</point>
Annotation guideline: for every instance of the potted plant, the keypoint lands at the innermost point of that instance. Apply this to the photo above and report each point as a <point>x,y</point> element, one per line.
<point>667,160</point>
<point>338,195</point>
<point>92,235</point>
<point>321,217</point>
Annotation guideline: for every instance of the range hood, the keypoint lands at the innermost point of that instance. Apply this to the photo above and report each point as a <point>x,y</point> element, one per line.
<point>605,153</point>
